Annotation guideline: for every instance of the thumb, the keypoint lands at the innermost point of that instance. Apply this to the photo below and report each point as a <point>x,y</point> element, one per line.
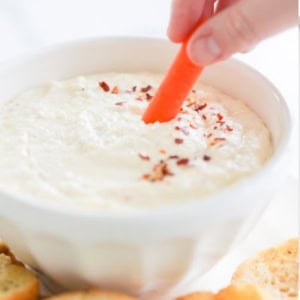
<point>240,27</point>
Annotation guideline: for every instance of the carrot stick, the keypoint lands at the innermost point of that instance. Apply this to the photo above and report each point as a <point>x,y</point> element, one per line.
<point>175,87</point>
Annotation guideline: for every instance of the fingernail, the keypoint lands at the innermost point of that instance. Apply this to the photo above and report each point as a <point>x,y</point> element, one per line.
<point>205,51</point>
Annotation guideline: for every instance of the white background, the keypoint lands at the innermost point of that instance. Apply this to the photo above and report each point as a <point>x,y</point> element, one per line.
<point>27,24</point>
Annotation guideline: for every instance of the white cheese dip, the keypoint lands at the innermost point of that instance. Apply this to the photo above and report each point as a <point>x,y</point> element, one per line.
<point>82,142</point>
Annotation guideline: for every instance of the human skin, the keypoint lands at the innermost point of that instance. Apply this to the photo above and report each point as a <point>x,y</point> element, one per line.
<point>232,25</point>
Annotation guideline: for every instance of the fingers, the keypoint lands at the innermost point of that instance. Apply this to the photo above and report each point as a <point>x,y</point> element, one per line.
<point>239,27</point>
<point>222,4</point>
<point>185,14</point>
<point>209,8</point>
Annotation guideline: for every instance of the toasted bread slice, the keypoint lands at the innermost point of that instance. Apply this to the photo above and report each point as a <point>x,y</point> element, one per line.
<point>5,250</point>
<point>274,270</point>
<point>242,292</point>
<point>16,282</point>
<point>91,295</point>
<point>233,292</point>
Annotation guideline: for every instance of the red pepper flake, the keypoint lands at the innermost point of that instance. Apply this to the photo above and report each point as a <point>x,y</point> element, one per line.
<point>216,140</point>
<point>215,127</point>
<point>162,151</point>
<point>209,135</point>
<point>104,86</point>
<point>182,161</point>
<point>220,117</point>
<point>146,89</point>
<point>194,91</point>
<point>178,141</point>
<point>228,128</point>
<point>162,170</point>
<point>159,172</point>
<point>148,96</point>
<point>177,128</point>
<point>144,157</point>
<point>221,122</point>
<point>219,139</point>
<point>206,157</point>
<point>146,177</point>
<point>201,107</point>
<point>173,157</point>
<point>119,103</point>
<point>132,90</point>
<point>115,90</point>
<point>204,117</point>
<point>144,96</point>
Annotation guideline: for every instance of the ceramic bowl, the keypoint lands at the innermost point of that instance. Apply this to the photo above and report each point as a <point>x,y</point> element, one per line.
<point>156,252</point>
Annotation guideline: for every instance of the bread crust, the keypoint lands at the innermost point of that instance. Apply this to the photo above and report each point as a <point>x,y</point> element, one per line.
<point>241,292</point>
<point>31,292</point>
<point>4,249</point>
<point>16,282</point>
<point>233,292</point>
<point>274,270</point>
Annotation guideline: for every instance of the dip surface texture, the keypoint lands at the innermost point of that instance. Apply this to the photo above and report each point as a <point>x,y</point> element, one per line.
<point>82,142</point>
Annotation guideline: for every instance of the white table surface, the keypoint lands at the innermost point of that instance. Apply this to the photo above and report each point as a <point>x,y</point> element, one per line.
<point>27,24</point>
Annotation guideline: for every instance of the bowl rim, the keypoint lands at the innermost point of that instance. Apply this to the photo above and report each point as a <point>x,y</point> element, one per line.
<point>174,210</point>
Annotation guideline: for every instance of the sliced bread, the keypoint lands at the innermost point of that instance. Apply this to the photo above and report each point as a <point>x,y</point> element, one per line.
<point>233,292</point>
<point>91,295</point>
<point>274,270</point>
<point>5,250</point>
<point>16,282</point>
<point>242,292</point>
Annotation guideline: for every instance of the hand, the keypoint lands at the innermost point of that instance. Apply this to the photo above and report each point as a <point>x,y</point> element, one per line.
<point>233,25</point>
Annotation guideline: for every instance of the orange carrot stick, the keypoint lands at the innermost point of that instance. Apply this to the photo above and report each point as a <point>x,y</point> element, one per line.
<point>175,87</point>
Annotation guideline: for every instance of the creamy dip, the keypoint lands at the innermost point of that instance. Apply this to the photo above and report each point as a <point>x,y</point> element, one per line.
<point>82,142</point>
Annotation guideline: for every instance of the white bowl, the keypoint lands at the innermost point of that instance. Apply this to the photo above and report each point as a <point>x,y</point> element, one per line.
<point>158,251</point>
